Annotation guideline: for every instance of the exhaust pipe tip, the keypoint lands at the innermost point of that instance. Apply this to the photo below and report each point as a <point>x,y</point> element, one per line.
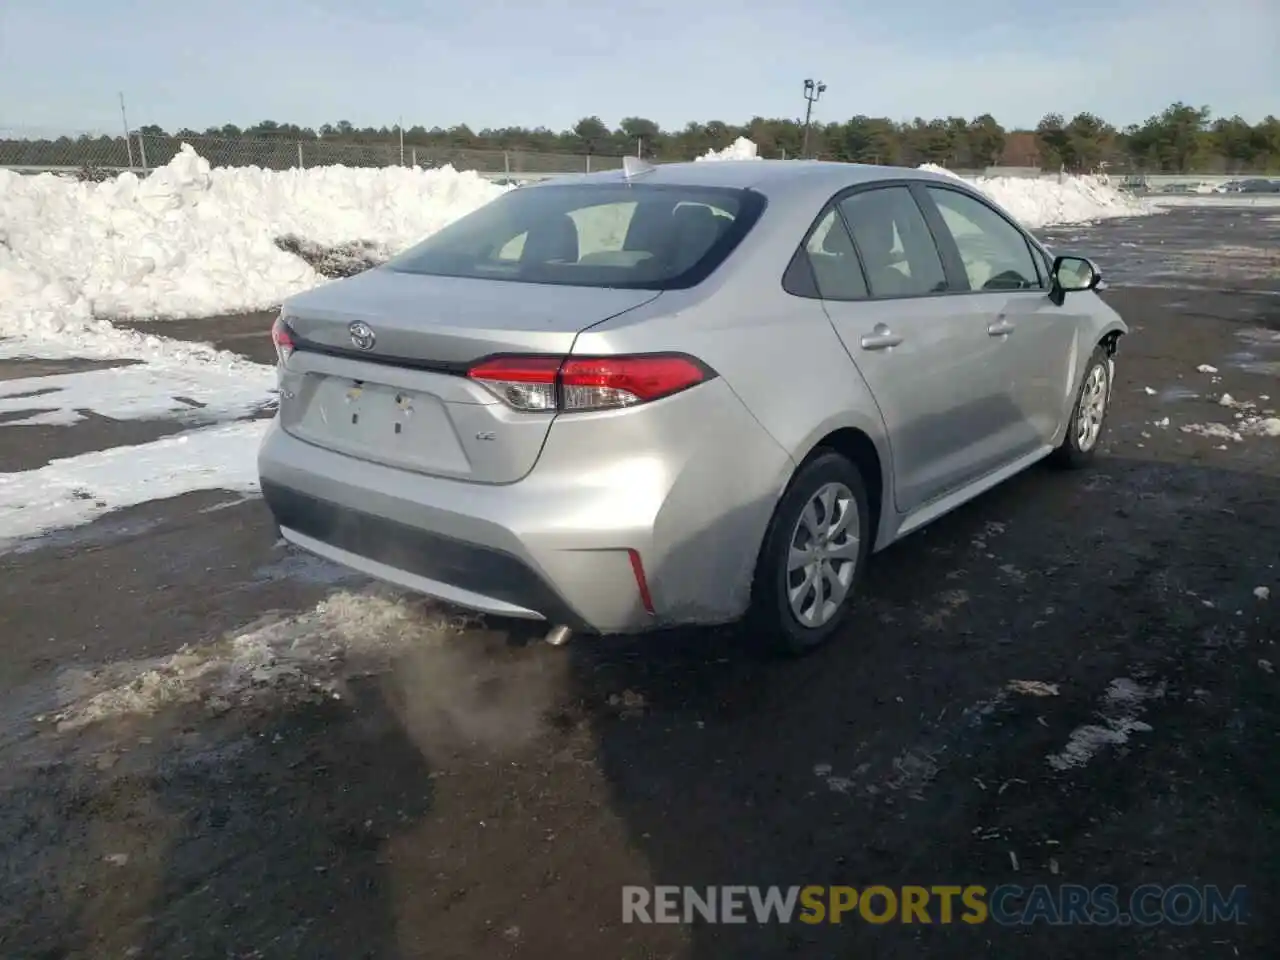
<point>558,636</point>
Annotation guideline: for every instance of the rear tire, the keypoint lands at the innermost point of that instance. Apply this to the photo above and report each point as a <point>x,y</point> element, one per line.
<point>813,556</point>
<point>1088,415</point>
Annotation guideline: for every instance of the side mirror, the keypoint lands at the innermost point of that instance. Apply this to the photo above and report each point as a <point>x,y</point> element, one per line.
<point>1073,275</point>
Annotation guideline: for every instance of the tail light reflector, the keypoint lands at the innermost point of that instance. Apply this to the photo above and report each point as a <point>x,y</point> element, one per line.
<point>580,384</point>
<point>642,582</point>
<point>282,337</point>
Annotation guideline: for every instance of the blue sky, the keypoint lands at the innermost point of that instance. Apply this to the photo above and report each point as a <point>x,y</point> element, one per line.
<point>549,62</point>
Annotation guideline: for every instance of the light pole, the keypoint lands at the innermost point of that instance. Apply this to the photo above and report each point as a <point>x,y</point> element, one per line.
<point>812,91</point>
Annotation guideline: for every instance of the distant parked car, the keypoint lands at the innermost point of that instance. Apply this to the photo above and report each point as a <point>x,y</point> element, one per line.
<point>679,395</point>
<point>1259,185</point>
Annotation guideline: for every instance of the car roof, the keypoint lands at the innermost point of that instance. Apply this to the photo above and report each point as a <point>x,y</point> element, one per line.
<point>770,177</point>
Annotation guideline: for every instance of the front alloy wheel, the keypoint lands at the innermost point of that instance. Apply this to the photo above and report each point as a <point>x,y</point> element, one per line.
<point>1092,408</point>
<point>1089,414</point>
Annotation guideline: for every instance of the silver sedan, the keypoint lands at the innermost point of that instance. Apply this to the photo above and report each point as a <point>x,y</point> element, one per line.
<point>681,394</point>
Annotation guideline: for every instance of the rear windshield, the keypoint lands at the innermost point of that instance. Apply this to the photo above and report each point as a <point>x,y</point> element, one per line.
<point>640,236</point>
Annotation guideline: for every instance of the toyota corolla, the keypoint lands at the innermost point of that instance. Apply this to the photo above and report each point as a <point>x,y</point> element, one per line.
<point>681,394</point>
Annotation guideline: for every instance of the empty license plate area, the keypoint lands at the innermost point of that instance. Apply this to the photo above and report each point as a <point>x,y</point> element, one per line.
<point>379,422</point>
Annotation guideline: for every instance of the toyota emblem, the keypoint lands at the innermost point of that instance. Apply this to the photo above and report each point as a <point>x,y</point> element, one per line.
<point>362,335</point>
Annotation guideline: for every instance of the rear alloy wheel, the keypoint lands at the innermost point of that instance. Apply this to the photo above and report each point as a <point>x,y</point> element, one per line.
<point>813,555</point>
<point>1089,415</point>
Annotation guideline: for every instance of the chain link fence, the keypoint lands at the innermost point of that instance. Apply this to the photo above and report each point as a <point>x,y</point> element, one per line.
<point>142,152</point>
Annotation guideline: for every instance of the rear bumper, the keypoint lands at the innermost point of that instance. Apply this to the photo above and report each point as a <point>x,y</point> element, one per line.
<point>477,577</point>
<point>686,488</point>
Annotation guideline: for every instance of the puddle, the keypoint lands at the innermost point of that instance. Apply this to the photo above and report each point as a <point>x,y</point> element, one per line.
<point>1178,393</point>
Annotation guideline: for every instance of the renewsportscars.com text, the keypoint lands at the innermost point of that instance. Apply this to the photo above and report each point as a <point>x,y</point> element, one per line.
<point>1005,905</point>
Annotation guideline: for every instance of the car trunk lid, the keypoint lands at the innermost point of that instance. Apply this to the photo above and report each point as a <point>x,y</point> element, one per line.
<point>379,362</point>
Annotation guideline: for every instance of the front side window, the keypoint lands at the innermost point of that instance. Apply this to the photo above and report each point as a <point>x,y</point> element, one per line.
<point>996,255</point>
<point>593,235</point>
<point>893,239</point>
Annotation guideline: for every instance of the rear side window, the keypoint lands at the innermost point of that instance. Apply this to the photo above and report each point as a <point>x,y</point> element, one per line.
<point>644,236</point>
<point>898,251</point>
<point>995,253</point>
<point>836,271</point>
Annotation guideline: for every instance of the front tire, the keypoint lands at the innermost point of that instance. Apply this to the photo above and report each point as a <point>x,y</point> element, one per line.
<point>813,556</point>
<point>1088,416</point>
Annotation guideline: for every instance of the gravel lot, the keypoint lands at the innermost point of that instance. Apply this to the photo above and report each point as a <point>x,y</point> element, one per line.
<point>196,760</point>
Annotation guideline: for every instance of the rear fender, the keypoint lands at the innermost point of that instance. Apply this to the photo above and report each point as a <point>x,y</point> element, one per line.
<point>871,426</point>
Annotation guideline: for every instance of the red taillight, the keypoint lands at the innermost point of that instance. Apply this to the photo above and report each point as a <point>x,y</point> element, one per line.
<point>525,383</point>
<point>282,337</point>
<point>593,383</point>
<point>578,384</point>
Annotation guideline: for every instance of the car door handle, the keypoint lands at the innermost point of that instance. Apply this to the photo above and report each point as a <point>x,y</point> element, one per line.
<point>1000,328</point>
<point>880,340</point>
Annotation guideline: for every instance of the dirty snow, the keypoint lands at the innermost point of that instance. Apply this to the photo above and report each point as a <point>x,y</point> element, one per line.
<point>1249,420</point>
<point>446,695</point>
<point>299,652</point>
<point>79,489</point>
<point>136,392</point>
<point>1033,688</point>
<point>1117,715</point>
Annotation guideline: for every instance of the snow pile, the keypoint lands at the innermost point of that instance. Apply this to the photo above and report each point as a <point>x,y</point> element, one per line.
<point>190,241</point>
<point>1036,201</point>
<point>740,149</point>
<point>1059,199</point>
<point>1042,202</point>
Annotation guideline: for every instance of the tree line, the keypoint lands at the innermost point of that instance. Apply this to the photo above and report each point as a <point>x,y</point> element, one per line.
<point>1180,139</point>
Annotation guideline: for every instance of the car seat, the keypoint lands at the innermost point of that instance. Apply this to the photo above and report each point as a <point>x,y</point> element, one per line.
<point>876,237</point>
<point>694,229</point>
<point>553,240</point>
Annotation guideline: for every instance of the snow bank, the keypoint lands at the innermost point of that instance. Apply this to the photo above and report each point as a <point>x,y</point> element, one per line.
<point>1057,199</point>
<point>1036,201</point>
<point>190,241</point>
<point>1044,202</point>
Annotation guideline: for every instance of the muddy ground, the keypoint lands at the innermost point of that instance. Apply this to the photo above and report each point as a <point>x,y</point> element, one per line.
<point>196,760</point>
